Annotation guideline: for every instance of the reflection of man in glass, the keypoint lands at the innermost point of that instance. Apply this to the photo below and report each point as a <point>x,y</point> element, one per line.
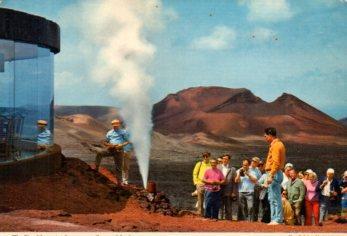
<point>117,145</point>
<point>44,136</point>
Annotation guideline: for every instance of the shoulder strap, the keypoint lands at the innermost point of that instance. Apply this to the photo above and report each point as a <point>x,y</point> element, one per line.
<point>228,173</point>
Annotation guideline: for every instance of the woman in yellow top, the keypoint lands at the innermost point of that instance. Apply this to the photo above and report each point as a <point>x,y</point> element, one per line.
<point>198,175</point>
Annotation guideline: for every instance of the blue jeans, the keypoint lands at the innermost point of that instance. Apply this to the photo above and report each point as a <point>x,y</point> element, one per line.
<point>275,198</point>
<point>323,208</point>
<point>212,204</point>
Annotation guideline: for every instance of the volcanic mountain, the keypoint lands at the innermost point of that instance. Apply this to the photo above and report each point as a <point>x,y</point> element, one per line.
<point>238,112</point>
<point>344,121</point>
<point>103,114</point>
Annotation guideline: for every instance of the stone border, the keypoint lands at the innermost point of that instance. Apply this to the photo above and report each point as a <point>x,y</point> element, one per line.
<point>23,27</point>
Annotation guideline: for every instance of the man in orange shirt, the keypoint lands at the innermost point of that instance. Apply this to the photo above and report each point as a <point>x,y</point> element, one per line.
<point>274,163</point>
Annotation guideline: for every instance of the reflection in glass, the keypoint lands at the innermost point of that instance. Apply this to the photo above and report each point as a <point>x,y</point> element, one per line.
<point>26,95</point>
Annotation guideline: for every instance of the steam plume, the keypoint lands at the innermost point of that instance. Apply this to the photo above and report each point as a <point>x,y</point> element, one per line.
<point>116,30</point>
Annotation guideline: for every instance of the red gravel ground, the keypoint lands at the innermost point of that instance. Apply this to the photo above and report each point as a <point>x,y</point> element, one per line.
<point>133,218</point>
<point>70,208</point>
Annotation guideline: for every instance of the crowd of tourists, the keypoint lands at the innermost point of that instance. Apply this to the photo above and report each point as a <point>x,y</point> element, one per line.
<point>273,191</point>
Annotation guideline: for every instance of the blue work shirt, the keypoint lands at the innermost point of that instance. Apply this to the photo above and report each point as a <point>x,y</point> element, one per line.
<point>256,171</point>
<point>119,136</point>
<point>246,185</point>
<point>44,137</point>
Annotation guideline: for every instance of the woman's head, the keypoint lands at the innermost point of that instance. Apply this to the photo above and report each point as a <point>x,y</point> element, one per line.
<point>300,175</point>
<point>312,176</point>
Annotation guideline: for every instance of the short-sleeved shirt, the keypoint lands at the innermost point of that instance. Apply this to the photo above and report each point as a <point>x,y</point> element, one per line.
<point>213,175</point>
<point>246,185</point>
<point>256,172</point>
<point>262,179</point>
<point>119,136</point>
<point>44,137</point>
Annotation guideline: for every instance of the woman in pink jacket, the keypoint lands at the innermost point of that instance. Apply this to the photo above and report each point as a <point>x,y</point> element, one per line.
<point>312,199</point>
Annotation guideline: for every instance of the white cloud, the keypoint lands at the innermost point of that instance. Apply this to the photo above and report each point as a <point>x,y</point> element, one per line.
<point>268,10</point>
<point>171,14</point>
<point>261,34</point>
<point>222,37</point>
<point>66,79</point>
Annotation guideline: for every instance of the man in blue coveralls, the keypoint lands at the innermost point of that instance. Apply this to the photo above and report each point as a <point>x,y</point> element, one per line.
<point>117,144</point>
<point>44,137</point>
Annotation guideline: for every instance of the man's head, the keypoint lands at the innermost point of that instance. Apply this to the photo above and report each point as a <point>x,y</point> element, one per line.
<point>344,176</point>
<point>41,124</point>
<point>219,160</point>
<point>226,159</point>
<point>261,166</point>
<point>115,124</point>
<point>292,174</point>
<point>255,162</point>
<point>206,157</point>
<point>213,163</point>
<point>287,168</point>
<point>245,164</point>
<point>270,134</point>
<point>300,175</point>
<point>330,173</point>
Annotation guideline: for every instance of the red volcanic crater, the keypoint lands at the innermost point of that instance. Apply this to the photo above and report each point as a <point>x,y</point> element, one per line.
<point>238,112</point>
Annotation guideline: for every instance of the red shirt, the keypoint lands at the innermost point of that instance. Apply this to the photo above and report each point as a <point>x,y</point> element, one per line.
<point>213,175</point>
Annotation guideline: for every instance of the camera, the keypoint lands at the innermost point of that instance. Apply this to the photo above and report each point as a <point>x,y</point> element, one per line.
<point>242,172</point>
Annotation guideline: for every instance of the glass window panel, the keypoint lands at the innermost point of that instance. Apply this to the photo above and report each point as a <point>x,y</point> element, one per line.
<point>45,88</point>
<point>6,77</point>
<point>26,87</point>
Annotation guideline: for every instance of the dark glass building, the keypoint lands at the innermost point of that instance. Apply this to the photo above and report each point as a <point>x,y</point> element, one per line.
<point>27,47</point>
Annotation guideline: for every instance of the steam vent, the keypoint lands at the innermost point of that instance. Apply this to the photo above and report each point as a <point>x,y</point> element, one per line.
<point>27,47</point>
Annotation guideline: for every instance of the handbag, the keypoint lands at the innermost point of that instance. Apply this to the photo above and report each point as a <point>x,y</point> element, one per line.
<point>262,194</point>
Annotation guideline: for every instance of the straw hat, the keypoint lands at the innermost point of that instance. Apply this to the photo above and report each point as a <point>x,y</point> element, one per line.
<point>115,121</point>
<point>42,122</point>
<point>288,165</point>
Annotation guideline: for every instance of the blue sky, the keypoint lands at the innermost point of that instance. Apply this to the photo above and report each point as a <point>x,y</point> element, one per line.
<point>267,46</point>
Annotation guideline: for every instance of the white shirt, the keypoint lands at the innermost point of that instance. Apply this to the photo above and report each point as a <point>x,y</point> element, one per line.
<point>284,182</point>
<point>224,170</point>
<point>326,189</point>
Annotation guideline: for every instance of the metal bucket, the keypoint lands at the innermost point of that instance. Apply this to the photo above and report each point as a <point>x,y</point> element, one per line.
<point>151,187</point>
